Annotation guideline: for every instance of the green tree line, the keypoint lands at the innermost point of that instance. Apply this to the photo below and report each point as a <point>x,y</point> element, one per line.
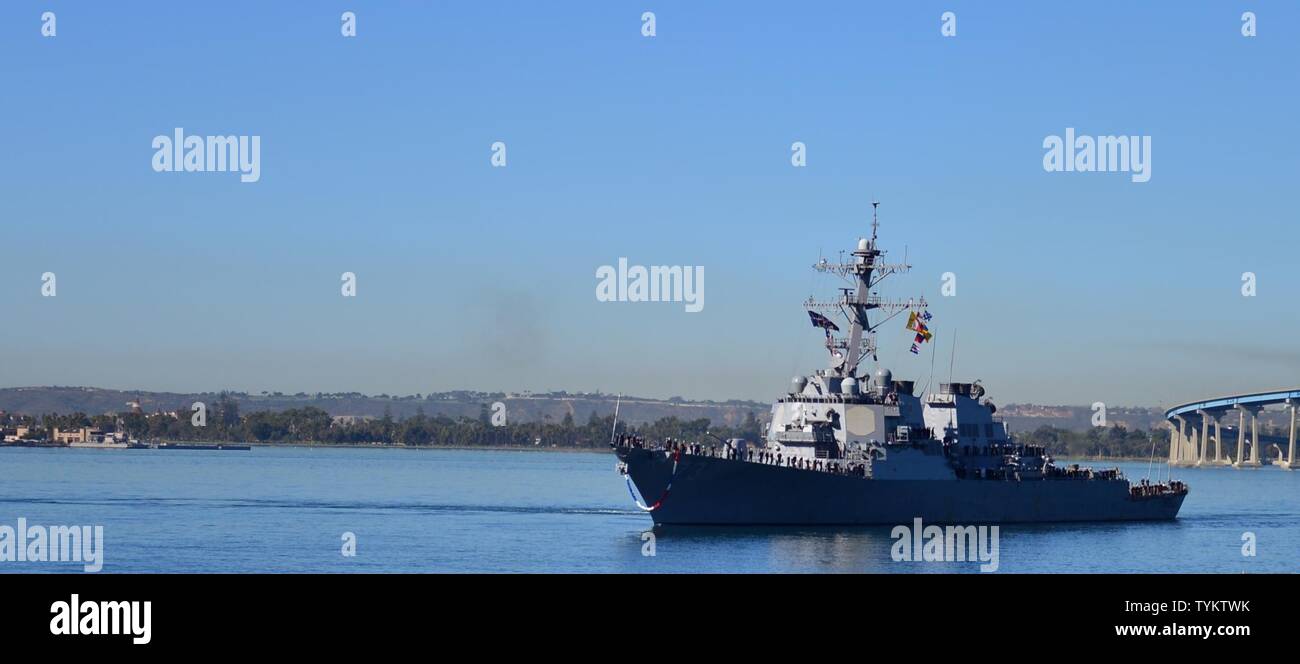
<point>1116,441</point>
<point>224,423</point>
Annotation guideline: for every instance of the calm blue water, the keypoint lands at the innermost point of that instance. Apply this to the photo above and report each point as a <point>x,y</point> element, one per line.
<point>284,510</point>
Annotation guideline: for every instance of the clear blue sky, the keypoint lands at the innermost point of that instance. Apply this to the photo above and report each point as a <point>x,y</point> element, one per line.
<point>1072,288</point>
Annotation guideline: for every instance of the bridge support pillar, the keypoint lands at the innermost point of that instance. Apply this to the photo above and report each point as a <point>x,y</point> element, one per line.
<point>1204,445</point>
<point>1178,445</point>
<point>1176,440</point>
<point>1254,437</point>
<point>1290,448</point>
<point>1218,442</point>
<point>1241,437</point>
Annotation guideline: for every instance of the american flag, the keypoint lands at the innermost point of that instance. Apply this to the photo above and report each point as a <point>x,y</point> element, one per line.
<point>821,321</point>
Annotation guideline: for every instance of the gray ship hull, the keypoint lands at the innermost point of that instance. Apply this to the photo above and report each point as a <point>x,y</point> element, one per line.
<point>714,491</point>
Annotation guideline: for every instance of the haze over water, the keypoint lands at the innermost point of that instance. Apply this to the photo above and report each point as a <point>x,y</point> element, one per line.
<point>285,510</point>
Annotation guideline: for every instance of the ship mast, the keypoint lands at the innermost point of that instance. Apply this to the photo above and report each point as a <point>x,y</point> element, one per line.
<point>864,271</point>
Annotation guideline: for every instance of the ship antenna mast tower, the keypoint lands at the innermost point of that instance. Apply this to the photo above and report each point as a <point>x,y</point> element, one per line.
<point>864,271</point>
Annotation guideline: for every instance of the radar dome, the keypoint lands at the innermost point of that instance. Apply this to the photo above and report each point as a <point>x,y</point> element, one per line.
<point>849,386</point>
<point>797,384</point>
<point>884,380</point>
<point>862,244</point>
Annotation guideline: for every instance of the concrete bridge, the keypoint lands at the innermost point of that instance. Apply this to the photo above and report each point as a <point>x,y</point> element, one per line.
<point>1190,436</point>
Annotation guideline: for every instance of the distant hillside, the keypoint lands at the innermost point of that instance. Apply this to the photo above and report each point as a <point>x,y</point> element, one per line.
<point>550,407</point>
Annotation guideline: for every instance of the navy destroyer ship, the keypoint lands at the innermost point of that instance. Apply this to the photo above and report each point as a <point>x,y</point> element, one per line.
<point>843,448</point>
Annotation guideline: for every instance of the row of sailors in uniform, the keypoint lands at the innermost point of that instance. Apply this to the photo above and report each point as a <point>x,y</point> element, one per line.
<point>1076,473</point>
<point>753,456</point>
<point>999,449</point>
<point>822,465</point>
<point>1073,472</point>
<point>1145,489</point>
<point>629,440</point>
<point>638,442</point>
